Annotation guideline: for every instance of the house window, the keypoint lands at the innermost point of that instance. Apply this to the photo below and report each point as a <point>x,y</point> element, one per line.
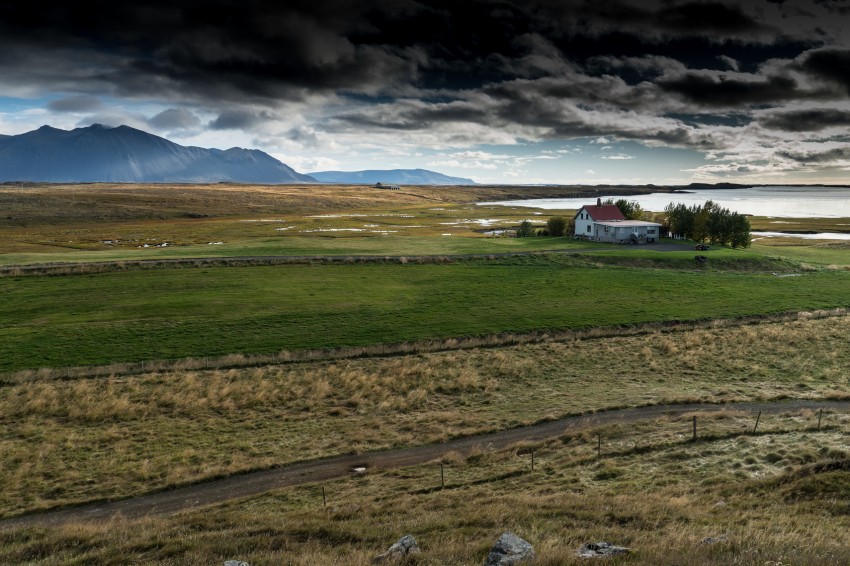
<point>588,227</point>
<point>650,231</point>
<point>606,229</point>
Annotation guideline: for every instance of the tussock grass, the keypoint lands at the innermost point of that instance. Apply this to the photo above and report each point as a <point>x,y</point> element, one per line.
<point>774,498</point>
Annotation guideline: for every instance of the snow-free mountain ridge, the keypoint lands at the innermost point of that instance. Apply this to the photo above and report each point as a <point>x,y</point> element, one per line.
<point>389,176</point>
<point>126,155</point>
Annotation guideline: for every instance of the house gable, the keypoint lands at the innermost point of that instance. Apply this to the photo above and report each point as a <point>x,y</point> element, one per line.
<point>603,212</point>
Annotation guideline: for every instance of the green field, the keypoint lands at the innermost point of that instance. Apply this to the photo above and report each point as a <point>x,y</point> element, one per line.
<point>175,313</point>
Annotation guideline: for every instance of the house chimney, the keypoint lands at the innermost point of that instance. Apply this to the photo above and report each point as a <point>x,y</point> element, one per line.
<point>598,201</point>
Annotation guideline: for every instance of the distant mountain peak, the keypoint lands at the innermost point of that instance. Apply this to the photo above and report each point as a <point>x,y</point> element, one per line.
<point>123,154</point>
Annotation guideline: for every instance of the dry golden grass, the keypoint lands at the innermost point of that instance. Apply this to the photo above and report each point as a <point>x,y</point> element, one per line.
<point>74,440</point>
<point>31,205</point>
<point>772,497</point>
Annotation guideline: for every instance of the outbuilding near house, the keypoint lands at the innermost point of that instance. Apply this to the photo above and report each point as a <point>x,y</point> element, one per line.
<point>605,223</point>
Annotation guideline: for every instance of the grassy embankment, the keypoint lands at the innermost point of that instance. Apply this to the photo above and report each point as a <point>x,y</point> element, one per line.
<point>651,490</point>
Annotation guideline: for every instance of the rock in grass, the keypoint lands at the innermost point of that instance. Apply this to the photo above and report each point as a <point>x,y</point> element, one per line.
<point>597,549</point>
<point>235,563</point>
<point>405,546</point>
<point>509,550</point>
<point>714,540</point>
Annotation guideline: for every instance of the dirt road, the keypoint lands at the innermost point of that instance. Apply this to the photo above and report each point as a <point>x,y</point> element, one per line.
<point>254,483</point>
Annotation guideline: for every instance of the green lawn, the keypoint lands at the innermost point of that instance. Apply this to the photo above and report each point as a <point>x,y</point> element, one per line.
<point>176,313</point>
<point>835,254</point>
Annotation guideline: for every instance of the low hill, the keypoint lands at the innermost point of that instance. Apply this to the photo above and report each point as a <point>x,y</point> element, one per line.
<point>126,155</point>
<point>389,176</point>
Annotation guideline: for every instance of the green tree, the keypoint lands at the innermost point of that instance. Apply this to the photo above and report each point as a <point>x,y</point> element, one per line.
<point>631,209</point>
<point>740,231</point>
<point>710,222</point>
<point>680,219</point>
<point>556,226</point>
<point>525,230</point>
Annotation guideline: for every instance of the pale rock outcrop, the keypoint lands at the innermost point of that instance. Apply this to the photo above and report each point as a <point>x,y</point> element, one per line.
<point>405,546</point>
<point>508,551</point>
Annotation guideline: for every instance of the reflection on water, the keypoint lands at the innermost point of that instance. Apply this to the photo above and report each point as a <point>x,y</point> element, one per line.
<point>780,202</point>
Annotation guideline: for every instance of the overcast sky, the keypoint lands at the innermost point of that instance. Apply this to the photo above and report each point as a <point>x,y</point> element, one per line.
<point>515,91</point>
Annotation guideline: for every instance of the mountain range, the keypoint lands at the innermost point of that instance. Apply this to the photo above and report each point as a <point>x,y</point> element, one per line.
<point>123,154</point>
<point>126,155</point>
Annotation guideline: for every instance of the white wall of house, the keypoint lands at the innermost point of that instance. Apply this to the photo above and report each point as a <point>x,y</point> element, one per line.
<point>584,224</point>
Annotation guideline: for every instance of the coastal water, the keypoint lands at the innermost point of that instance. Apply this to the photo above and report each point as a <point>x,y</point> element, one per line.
<point>777,202</point>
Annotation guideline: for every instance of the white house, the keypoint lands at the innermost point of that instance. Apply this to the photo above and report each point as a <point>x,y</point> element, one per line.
<point>605,223</point>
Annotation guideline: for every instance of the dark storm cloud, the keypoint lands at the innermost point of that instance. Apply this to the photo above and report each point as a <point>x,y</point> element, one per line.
<point>720,92</point>
<point>282,50</point>
<point>832,65</point>
<point>806,120</point>
<point>818,157</point>
<point>81,103</point>
<point>240,119</point>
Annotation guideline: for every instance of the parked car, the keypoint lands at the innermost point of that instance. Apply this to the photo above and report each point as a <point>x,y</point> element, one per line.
<point>701,247</point>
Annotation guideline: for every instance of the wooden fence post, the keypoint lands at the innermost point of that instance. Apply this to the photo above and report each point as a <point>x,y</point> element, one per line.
<point>755,428</point>
<point>442,477</point>
<point>820,416</point>
<point>532,459</point>
<point>324,498</point>
<point>695,428</point>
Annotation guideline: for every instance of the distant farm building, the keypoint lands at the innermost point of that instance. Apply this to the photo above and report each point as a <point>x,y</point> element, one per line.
<point>387,187</point>
<point>605,223</point>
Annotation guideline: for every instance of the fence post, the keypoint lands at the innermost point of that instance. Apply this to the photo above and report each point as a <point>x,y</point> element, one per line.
<point>757,423</point>
<point>820,415</point>
<point>324,498</point>
<point>695,428</point>
<point>532,459</point>
<point>442,477</point>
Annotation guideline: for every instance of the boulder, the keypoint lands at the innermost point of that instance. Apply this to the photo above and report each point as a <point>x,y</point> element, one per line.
<point>405,546</point>
<point>509,550</point>
<point>235,563</point>
<point>597,549</point>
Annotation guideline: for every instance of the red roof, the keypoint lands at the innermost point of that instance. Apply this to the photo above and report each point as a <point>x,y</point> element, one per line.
<point>605,212</point>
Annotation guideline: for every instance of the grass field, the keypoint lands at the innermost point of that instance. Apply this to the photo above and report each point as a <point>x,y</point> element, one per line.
<point>176,313</point>
<point>779,495</point>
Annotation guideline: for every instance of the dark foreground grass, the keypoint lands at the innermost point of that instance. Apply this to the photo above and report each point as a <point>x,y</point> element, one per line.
<point>176,313</point>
